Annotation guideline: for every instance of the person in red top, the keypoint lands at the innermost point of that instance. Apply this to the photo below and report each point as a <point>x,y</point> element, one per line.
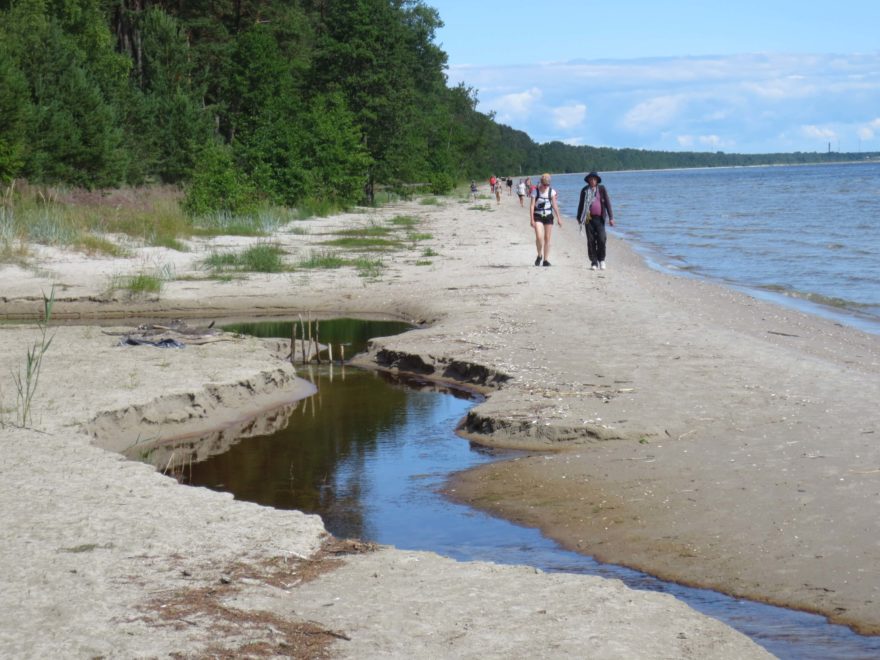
<point>594,206</point>
<point>492,182</point>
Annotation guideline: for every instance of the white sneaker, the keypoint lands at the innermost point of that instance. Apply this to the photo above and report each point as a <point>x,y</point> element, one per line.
<point>601,265</point>
<point>593,266</point>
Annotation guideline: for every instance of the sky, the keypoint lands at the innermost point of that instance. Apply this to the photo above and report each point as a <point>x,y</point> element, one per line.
<point>678,75</point>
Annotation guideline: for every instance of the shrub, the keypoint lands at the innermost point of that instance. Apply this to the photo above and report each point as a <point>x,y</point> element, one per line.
<point>441,183</point>
<point>218,186</point>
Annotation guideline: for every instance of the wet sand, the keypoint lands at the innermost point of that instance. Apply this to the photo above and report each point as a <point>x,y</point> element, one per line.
<point>692,431</point>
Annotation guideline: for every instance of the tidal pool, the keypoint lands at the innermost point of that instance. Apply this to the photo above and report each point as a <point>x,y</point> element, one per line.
<point>370,453</point>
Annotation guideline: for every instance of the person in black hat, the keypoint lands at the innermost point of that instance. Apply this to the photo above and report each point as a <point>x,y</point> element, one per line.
<point>594,206</point>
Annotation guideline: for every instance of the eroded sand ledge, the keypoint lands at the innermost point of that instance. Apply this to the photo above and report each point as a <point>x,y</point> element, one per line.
<point>729,424</point>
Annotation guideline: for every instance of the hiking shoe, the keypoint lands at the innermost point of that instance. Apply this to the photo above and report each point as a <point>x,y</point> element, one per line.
<point>593,266</point>
<point>538,260</point>
<point>546,263</point>
<point>601,265</point>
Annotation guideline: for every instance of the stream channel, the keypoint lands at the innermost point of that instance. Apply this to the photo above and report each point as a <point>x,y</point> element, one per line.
<point>370,454</point>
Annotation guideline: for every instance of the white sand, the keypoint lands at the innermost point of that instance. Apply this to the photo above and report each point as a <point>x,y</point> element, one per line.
<point>723,406</point>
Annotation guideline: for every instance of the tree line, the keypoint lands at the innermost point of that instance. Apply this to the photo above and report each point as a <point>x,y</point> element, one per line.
<point>245,102</point>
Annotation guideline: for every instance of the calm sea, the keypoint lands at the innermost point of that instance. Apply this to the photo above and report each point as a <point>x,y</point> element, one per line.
<point>806,236</point>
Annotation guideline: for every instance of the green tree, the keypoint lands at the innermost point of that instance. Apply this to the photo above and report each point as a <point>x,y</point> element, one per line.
<point>173,124</point>
<point>262,116</point>
<point>72,133</point>
<point>335,159</point>
<point>361,50</point>
<point>218,186</point>
<point>15,111</point>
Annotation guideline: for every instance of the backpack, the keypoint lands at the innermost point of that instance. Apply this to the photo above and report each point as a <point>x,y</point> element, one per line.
<point>544,205</point>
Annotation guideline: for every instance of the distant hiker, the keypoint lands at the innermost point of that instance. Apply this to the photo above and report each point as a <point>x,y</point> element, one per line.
<point>498,193</point>
<point>509,186</point>
<point>521,191</point>
<point>492,182</point>
<point>594,206</point>
<point>543,209</point>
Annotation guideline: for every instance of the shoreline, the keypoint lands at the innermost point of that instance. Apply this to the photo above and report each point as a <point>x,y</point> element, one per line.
<point>789,299</point>
<point>795,300</point>
<point>674,364</point>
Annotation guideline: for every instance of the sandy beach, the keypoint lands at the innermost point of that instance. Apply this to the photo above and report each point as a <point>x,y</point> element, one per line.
<point>674,426</point>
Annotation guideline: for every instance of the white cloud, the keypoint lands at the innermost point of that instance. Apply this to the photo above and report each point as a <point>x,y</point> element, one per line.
<point>758,102</point>
<point>654,112</point>
<point>867,131</point>
<point>569,116</point>
<point>711,141</point>
<point>813,131</point>
<point>516,106</point>
<point>782,89</point>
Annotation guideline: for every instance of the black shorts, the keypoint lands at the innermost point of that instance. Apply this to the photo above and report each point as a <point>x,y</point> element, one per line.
<point>546,220</point>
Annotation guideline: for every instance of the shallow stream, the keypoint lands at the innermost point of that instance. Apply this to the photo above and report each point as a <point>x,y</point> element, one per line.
<point>371,453</point>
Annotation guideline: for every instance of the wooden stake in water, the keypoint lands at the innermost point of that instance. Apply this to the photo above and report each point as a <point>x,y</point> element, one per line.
<point>302,334</point>
<point>293,343</point>
<point>330,353</point>
<point>309,328</point>
<point>341,353</point>
<point>317,344</point>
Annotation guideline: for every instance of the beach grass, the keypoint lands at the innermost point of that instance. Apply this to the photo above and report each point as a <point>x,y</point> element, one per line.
<point>111,221</point>
<point>93,244</point>
<point>407,221</point>
<point>322,260</point>
<point>369,268</point>
<point>371,237</point>
<point>263,258</point>
<point>363,243</point>
<point>148,280</point>
<point>143,283</point>
<point>258,258</point>
<point>366,267</point>
<point>26,381</point>
<point>316,208</point>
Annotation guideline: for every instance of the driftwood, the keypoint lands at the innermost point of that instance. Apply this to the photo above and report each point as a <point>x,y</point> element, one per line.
<point>173,335</point>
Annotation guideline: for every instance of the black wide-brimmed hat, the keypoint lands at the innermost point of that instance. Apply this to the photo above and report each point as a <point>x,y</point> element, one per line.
<point>593,175</point>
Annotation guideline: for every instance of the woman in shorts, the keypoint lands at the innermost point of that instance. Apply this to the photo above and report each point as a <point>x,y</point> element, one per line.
<point>521,192</point>
<point>542,210</point>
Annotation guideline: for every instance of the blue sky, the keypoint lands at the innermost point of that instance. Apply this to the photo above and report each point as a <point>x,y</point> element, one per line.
<point>701,75</point>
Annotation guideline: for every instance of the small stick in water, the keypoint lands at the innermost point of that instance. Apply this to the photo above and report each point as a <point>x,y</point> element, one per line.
<point>317,343</point>
<point>309,328</point>
<point>303,335</point>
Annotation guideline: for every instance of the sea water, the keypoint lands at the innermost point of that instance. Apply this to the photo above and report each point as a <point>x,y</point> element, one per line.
<point>801,235</point>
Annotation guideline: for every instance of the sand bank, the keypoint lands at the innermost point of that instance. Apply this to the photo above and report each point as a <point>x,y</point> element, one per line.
<point>702,435</point>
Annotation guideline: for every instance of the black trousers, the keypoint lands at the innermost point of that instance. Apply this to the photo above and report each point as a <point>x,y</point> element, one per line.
<point>595,227</point>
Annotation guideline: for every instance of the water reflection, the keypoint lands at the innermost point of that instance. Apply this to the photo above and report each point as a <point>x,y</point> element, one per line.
<point>340,451</point>
<point>370,454</point>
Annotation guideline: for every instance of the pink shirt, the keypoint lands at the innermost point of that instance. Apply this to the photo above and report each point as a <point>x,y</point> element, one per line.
<point>596,205</point>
